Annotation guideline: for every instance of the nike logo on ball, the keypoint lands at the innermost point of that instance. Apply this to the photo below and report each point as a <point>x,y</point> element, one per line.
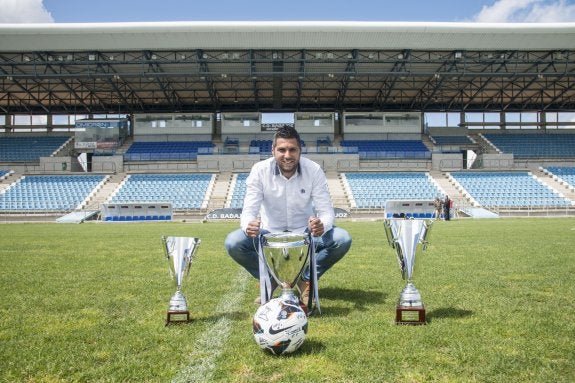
<point>273,331</point>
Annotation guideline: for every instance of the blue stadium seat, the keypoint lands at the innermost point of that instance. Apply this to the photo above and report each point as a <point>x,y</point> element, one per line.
<point>534,145</point>
<point>167,151</point>
<point>381,149</point>
<point>29,148</point>
<point>508,189</point>
<point>184,191</point>
<point>372,190</point>
<point>49,192</point>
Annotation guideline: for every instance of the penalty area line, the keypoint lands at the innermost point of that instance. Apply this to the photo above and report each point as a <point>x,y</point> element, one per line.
<point>211,342</point>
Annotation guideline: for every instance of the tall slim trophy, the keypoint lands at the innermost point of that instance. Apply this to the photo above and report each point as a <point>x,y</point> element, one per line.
<point>407,227</point>
<point>180,252</point>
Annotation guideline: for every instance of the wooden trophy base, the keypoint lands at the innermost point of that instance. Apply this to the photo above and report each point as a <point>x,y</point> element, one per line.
<point>410,315</point>
<point>176,317</point>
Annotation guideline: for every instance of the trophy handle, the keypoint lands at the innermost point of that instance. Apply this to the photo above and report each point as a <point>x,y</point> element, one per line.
<point>427,225</point>
<point>401,262</point>
<point>389,233</point>
<point>392,240</point>
<point>192,255</point>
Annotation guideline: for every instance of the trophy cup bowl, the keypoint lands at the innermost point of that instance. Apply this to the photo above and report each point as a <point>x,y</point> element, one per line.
<point>408,235</point>
<point>180,252</point>
<point>286,255</point>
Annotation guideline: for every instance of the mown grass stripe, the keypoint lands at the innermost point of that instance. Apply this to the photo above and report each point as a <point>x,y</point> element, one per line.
<point>212,341</point>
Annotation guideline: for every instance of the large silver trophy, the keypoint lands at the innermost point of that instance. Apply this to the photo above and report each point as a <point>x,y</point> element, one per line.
<point>407,228</point>
<point>180,252</point>
<point>286,256</point>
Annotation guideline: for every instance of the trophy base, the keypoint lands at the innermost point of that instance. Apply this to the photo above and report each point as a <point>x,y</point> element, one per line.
<point>410,315</point>
<point>176,317</point>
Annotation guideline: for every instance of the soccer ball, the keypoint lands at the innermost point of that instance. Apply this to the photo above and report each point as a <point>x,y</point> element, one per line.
<point>280,326</point>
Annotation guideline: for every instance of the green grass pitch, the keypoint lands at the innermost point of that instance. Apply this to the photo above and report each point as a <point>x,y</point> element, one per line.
<point>87,303</point>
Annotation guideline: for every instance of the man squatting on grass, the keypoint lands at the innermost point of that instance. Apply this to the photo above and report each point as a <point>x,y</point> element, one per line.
<point>288,193</point>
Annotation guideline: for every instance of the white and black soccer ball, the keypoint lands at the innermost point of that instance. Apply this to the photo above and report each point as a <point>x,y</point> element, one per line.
<point>280,326</point>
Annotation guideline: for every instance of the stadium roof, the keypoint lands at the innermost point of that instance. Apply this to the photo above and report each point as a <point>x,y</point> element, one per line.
<point>285,66</point>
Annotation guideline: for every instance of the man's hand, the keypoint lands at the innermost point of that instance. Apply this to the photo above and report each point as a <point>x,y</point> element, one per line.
<point>253,228</point>
<point>315,226</point>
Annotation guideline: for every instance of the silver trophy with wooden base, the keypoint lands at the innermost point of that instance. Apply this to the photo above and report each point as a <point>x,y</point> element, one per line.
<point>407,227</point>
<point>180,252</point>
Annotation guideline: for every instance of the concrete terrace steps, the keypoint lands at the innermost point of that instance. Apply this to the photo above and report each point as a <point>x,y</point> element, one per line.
<point>336,189</point>
<point>220,191</point>
<point>459,200</point>
<point>553,183</point>
<point>101,196</point>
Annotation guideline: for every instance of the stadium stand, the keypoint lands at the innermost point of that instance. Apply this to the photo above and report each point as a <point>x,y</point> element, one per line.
<point>167,151</point>
<point>183,191</point>
<point>323,144</point>
<point>238,190</point>
<point>231,145</point>
<point>29,148</point>
<point>372,190</point>
<point>507,189</point>
<point>260,146</point>
<point>49,193</point>
<point>564,174</point>
<point>380,149</point>
<point>536,145</point>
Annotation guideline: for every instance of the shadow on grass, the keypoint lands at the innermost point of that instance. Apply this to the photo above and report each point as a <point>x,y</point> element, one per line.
<point>360,299</point>
<point>447,312</point>
<point>309,347</point>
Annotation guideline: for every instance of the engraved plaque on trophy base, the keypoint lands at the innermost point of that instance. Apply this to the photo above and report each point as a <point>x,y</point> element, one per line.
<point>177,317</point>
<point>178,311</point>
<point>410,315</point>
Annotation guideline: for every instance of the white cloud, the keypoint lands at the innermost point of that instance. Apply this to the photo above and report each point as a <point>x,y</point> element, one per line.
<point>24,11</point>
<point>528,11</point>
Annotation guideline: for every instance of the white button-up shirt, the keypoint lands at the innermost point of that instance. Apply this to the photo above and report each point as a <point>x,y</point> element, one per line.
<point>286,204</point>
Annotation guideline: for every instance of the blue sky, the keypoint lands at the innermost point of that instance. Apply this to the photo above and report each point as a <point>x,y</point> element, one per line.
<point>81,11</point>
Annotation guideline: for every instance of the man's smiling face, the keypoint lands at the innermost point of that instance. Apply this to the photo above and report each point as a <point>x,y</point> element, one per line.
<point>287,152</point>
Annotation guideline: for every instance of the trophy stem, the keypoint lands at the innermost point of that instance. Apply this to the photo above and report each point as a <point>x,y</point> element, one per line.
<point>288,295</point>
<point>410,296</point>
<point>178,301</point>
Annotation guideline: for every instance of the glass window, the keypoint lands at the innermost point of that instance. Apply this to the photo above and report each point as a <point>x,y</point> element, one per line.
<point>40,120</point>
<point>19,119</point>
<point>277,118</point>
<point>491,117</point>
<point>60,119</point>
<point>435,119</point>
<point>529,117</point>
<point>476,118</point>
<point>567,120</point>
<point>453,120</point>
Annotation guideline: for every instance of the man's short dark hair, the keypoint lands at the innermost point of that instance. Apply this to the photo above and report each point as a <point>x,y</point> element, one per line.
<point>287,132</point>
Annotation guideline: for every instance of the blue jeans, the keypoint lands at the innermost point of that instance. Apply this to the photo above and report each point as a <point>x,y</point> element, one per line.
<point>330,248</point>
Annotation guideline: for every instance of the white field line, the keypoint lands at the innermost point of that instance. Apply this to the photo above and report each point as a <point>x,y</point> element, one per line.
<point>212,341</point>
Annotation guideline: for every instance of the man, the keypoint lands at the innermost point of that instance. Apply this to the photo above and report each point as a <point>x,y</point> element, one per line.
<point>446,208</point>
<point>288,193</point>
<point>437,204</point>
